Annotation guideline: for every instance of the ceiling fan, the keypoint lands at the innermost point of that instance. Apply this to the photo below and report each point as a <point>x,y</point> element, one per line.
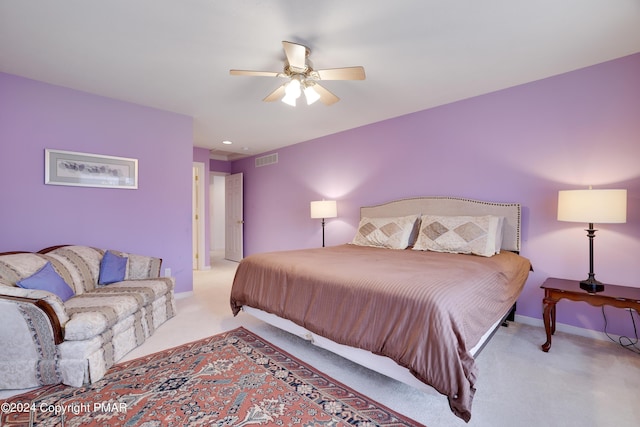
<point>302,78</point>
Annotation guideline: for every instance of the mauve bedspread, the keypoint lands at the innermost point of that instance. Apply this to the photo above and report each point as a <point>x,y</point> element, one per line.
<point>424,310</point>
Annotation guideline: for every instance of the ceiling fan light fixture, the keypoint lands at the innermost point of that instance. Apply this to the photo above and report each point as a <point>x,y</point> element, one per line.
<point>311,95</point>
<point>290,100</point>
<point>292,91</point>
<point>293,88</point>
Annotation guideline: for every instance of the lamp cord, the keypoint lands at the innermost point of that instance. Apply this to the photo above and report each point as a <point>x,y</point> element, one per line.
<point>624,341</point>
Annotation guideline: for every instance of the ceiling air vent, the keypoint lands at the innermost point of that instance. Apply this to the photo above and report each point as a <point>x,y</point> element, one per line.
<point>269,159</point>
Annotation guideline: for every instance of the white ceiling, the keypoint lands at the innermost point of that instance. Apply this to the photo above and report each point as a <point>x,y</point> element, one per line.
<point>176,54</point>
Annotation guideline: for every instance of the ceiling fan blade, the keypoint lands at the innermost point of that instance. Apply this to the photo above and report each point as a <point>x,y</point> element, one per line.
<point>276,94</point>
<point>347,73</point>
<point>254,73</point>
<point>326,97</point>
<point>296,55</point>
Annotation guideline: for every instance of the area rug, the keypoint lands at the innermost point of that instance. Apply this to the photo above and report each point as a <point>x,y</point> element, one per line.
<point>232,379</point>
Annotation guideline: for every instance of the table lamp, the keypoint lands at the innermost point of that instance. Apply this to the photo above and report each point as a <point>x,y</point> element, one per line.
<point>592,206</point>
<point>324,209</point>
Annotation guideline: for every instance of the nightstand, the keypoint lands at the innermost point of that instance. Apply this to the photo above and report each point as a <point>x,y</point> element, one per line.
<point>557,289</point>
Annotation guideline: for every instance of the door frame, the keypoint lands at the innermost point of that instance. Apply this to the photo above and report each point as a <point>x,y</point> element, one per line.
<point>198,208</point>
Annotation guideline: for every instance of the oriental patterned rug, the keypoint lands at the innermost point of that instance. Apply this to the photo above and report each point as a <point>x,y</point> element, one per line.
<point>232,379</point>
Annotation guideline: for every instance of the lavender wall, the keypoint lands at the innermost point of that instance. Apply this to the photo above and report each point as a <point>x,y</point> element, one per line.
<point>521,144</point>
<point>220,166</point>
<point>154,220</point>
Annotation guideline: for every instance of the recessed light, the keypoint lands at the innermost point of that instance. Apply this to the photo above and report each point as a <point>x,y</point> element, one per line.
<point>227,142</point>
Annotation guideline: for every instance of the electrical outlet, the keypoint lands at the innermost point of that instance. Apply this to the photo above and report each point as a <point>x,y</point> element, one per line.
<point>167,272</point>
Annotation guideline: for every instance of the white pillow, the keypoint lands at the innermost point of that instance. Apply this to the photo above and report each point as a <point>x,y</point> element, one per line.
<point>393,233</point>
<point>479,235</point>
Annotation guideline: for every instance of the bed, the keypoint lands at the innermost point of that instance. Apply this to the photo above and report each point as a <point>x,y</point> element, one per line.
<point>415,296</point>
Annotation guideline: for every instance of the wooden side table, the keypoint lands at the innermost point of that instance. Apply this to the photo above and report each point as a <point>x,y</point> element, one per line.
<point>556,289</point>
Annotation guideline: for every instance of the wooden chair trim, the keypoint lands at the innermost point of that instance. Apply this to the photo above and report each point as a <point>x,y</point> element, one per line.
<point>58,334</point>
<point>51,248</point>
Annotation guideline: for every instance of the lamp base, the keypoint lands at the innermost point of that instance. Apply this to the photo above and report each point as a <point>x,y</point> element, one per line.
<point>592,285</point>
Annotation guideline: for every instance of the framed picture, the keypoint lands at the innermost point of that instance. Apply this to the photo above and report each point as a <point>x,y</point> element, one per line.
<point>89,170</point>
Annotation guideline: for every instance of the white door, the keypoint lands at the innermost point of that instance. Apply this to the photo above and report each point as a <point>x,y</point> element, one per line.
<point>199,255</point>
<point>234,218</point>
<point>216,212</point>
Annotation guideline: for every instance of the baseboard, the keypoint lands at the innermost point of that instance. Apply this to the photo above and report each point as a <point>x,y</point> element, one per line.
<point>182,295</point>
<point>569,329</point>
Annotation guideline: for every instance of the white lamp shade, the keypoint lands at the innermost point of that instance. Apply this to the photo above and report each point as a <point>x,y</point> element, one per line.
<point>290,100</point>
<point>311,95</point>
<point>592,206</point>
<point>293,89</point>
<point>324,209</point>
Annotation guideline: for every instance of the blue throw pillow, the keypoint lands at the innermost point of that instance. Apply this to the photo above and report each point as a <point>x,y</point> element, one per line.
<point>47,279</point>
<point>112,268</point>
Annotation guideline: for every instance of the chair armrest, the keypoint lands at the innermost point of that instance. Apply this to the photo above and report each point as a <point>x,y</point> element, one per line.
<point>51,299</point>
<point>58,334</point>
<point>143,267</point>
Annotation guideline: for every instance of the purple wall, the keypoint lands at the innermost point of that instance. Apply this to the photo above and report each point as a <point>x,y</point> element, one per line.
<point>521,144</point>
<point>220,166</point>
<point>153,220</point>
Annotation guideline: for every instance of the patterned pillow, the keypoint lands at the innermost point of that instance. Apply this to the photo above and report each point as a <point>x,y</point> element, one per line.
<point>479,235</point>
<point>393,233</point>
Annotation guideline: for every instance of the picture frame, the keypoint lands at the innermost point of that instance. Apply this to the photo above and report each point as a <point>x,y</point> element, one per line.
<point>89,170</point>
